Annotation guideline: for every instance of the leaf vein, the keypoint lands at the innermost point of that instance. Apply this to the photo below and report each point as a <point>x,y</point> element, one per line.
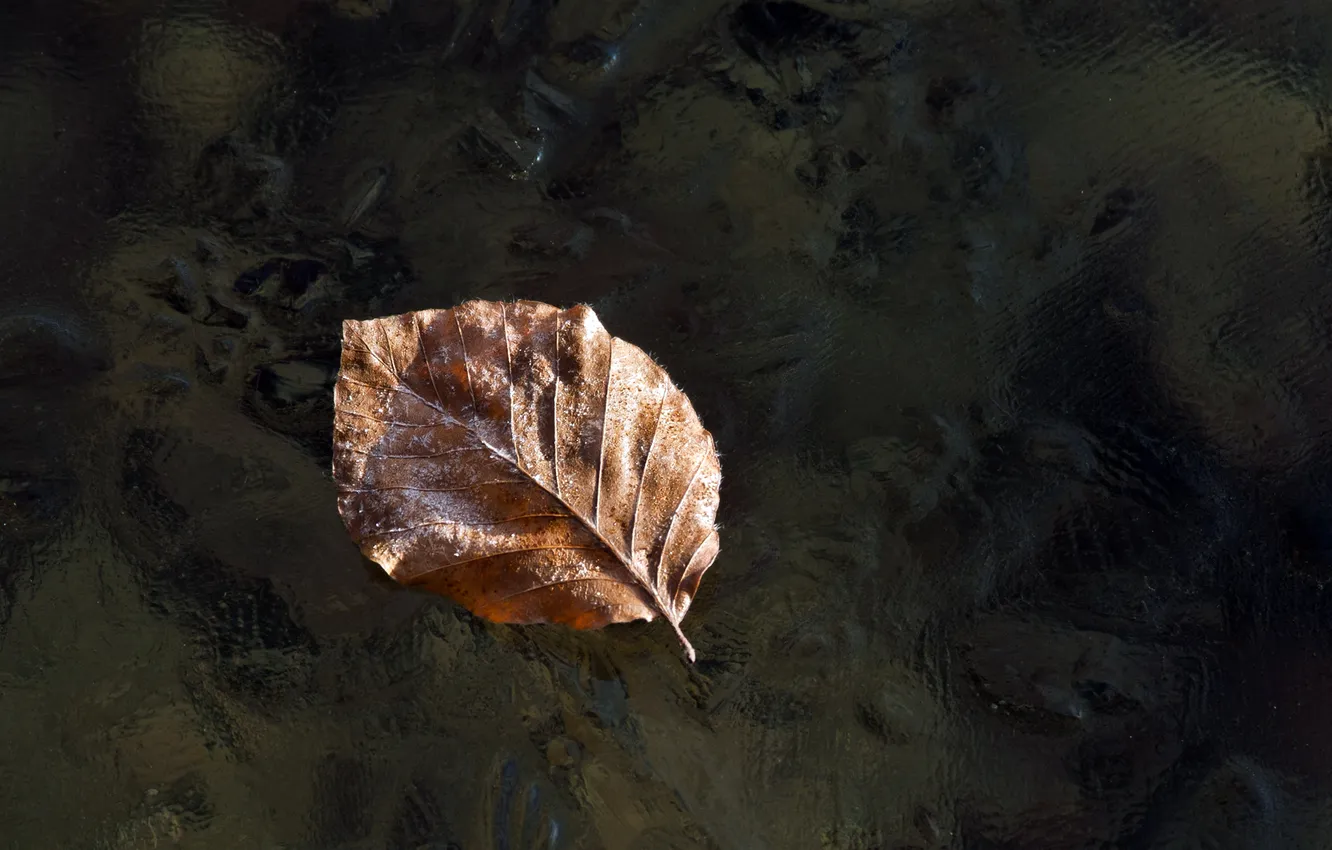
<point>425,359</point>
<point>520,551</point>
<point>689,562</point>
<point>467,367</point>
<point>400,424</point>
<point>388,349</point>
<point>508,359</point>
<point>601,463</point>
<point>379,456</point>
<point>642,475</point>
<point>555,413</point>
<point>402,387</point>
<point>433,489</point>
<point>433,523</point>
<point>670,529</point>
<point>370,351</point>
<point>550,584</point>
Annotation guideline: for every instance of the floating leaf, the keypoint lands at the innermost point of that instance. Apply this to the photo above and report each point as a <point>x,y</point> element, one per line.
<point>522,461</point>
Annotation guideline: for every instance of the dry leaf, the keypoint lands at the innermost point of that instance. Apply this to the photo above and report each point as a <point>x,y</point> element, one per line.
<point>521,460</point>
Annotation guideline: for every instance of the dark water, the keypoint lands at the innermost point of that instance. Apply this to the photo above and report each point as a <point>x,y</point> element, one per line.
<point>1011,319</point>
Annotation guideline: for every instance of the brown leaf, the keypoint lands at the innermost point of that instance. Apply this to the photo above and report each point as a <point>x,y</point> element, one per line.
<point>521,460</point>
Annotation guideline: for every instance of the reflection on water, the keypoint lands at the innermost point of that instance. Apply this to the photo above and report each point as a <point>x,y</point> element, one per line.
<point>1007,315</point>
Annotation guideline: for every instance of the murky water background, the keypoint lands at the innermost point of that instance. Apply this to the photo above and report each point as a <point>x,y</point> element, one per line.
<point>1010,317</point>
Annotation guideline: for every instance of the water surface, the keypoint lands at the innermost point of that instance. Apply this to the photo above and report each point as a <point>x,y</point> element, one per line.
<point>1009,317</point>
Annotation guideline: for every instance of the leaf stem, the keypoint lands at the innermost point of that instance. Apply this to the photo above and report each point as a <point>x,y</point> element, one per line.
<point>688,647</point>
